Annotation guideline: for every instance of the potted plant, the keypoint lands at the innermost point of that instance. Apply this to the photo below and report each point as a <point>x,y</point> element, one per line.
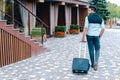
<point>74,29</point>
<point>37,33</point>
<point>60,31</point>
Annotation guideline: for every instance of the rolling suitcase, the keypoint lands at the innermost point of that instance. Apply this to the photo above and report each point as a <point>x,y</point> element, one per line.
<point>80,65</point>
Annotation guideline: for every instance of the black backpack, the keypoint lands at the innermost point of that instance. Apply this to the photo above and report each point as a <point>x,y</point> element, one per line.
<point>94,18</point>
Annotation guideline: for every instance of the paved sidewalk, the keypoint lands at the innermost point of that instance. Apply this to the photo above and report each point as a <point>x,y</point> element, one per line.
<point>56,62</point>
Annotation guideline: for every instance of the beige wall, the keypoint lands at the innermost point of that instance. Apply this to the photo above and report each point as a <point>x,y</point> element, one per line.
<point>30,7</point>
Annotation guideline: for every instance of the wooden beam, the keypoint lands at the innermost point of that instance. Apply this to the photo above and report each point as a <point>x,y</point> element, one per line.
<point>72,2</point>
<point>73,5</point>
<point>59,3</point>
<point>40,0</point>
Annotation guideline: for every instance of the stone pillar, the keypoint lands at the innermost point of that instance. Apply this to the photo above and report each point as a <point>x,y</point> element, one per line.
<point>68,16</point>
<point>52,18</point>
<point>32,8</point>
<point>56,14</point>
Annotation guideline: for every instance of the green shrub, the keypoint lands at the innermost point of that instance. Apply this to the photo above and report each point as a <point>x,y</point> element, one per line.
<point>21,29</point>
<point>60,28</point>
<point>74,26</point>
<point>37,31</point>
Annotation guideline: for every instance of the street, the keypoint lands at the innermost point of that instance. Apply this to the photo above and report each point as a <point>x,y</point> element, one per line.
<point>56,62</point>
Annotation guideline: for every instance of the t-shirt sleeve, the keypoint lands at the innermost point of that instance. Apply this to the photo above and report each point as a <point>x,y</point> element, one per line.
<point>102,25</point>
<point>86,22</point>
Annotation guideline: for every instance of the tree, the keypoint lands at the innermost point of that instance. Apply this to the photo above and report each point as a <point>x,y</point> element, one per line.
<point>114,10</point>
<point>101,8</point>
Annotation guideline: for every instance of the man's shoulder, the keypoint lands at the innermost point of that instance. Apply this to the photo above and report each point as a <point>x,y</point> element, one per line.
<point>94,18</point>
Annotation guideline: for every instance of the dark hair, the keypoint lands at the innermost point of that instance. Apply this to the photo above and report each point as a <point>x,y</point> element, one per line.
<point>92,7</point>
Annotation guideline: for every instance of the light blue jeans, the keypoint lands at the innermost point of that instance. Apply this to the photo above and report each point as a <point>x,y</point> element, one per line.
<point>94,48</point>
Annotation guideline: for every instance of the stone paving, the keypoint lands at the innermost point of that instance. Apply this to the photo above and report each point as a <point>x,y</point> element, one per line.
<point>56,62</point>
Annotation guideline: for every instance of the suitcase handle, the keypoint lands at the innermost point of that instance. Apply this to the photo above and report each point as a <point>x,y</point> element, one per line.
<point>83,41</point>
<point>85,50</point>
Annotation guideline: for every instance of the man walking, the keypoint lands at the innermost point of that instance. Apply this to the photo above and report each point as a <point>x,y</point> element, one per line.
<point>93,30</point>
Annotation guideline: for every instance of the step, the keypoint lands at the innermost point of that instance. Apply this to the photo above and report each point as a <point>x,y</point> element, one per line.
<point>16,31</point>
<point>9,27</point>
<point>3,23</point>
<point>28,37</point>
<point>35,46</point>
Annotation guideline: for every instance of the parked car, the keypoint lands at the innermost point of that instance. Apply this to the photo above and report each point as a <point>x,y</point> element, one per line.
<point>118,23</point>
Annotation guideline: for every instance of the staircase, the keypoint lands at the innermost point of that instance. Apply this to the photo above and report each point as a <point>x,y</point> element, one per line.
<point>15,46</point>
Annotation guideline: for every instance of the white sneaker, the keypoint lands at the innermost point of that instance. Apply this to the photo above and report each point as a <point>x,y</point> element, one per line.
<point>95,66</point>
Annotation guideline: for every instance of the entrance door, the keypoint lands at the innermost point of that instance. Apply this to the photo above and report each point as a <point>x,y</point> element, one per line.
<point>61,15</point>
<point>43,10</point>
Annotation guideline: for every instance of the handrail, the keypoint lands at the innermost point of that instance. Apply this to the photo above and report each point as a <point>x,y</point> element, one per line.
<point>11,18</point>
<point>43,23</point>
<point>32,13</point>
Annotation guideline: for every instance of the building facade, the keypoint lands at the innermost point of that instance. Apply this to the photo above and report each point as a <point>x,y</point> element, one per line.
<point>53,13</point>
<point>62,12</point>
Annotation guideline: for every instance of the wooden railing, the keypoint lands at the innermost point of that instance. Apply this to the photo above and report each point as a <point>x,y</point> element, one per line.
<point>12,49</point>
<point>17,23</point>
<point>15,20</point>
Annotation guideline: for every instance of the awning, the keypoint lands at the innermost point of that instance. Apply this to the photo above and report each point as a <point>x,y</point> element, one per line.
<point>79,2</point>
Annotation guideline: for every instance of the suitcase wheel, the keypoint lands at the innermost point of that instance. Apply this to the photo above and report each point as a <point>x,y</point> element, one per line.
<point>86,72</point>
<point>73,71</point>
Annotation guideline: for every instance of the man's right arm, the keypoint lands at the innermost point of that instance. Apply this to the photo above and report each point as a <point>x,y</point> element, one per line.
<point>101,33</point>
<point>103,28</point>
<point>84,34</point>
<point>85,29</point>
